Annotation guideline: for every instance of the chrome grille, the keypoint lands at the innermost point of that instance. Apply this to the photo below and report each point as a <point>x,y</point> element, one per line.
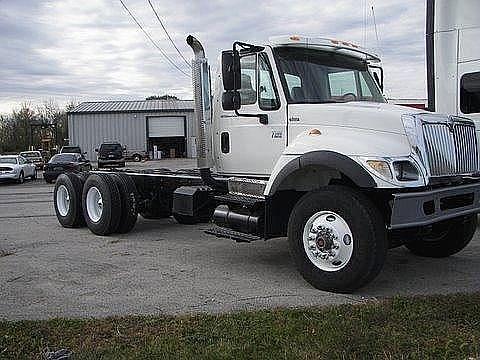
<point>451,148</point>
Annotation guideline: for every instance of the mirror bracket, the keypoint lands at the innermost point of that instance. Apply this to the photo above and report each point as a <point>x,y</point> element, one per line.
<point>375,75</point>
<point>262,118</point>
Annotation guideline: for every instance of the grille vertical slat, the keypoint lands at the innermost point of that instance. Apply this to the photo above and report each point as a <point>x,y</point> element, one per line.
<point>451,150</point>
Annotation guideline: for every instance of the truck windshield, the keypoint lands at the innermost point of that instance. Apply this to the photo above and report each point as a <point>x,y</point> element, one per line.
<point>315,76</point>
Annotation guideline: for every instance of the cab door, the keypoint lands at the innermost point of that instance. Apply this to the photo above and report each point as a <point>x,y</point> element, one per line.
<point>244,145</point>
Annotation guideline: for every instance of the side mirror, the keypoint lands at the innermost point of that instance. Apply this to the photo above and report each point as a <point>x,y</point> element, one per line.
<point>96,150</point>
<point>231,100</point>
<point>84,153</point>
<point>124,148</point>
<point>231,75</point>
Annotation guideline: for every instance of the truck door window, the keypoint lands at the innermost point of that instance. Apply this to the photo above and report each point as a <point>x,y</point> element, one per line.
<point>470,93</point>
<point>268,98</point>
<point>248,66</point>
<point>364,89</point>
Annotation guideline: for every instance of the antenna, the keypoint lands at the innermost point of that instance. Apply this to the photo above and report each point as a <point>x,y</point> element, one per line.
<point>376,31</point>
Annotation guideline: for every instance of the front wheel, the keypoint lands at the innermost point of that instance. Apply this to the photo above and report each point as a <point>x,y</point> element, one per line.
<point>337,238</point>
<point>447,238</point>
<point>21,178</point>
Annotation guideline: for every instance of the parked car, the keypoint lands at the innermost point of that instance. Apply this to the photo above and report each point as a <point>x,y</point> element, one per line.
<point>71,149</point>
<point>136,155</point>
<point>35,157</point>
<point>16,168</point>
<point>111,154</point>
<point>66,162</point>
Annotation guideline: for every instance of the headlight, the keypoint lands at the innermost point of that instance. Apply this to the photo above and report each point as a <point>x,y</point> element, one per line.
<point>380,167</point>
<point>405,171</point>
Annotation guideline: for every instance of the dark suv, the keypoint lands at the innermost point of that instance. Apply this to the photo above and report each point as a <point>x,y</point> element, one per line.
<point>111,154</point>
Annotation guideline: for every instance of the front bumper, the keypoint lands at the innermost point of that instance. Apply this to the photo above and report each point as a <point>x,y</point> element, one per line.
<point>427,207</point>
<point>8,176</point>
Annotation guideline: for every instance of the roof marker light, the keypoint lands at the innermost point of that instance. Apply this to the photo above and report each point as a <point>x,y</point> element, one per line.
<point>295,38</point>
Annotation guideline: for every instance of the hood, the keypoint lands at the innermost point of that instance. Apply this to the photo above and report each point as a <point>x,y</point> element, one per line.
<point>356,114</point>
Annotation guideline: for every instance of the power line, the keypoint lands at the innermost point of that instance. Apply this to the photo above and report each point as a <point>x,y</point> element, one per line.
<point>168,35</point>
<point>153,41</point>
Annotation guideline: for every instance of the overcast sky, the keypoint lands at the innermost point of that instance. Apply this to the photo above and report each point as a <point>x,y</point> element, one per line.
<point>91,49</point>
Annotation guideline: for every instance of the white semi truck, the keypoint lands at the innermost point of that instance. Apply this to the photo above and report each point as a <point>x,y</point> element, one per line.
<point>298,141</point>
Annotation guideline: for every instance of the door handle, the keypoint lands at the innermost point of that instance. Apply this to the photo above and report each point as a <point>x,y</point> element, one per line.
<point>225,142</point>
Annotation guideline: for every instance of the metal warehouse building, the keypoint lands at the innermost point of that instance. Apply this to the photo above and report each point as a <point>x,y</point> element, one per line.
<point>138,125</point>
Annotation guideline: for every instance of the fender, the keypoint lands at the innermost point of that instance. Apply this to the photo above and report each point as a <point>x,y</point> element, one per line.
<point>329,159</point>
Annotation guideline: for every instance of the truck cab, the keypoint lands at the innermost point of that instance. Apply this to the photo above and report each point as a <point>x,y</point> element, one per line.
<point>295,87</point>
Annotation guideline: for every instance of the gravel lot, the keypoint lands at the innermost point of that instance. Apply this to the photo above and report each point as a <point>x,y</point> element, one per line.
<point>163,267</point>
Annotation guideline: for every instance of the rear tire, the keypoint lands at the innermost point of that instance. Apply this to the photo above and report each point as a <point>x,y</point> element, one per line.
<point>101,203</point>
<point>337,239</point>
<point>448,238</point>
<point>137,158</point>
<point>67,200</point>
<point>129,198</point>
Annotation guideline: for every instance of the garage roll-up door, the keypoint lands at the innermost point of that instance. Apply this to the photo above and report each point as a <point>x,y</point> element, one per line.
<point>166,126</point>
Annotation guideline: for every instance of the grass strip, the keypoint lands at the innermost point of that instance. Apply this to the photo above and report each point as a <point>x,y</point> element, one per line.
<point>433,327</point>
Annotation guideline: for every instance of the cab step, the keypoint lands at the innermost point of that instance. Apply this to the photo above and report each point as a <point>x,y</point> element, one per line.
<point>232,234</point>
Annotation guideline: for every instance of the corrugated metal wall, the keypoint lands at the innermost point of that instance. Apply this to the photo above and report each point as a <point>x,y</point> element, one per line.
<point>89,130</point>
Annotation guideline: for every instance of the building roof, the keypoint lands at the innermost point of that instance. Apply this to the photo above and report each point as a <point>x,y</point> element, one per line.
<point>132,106</point>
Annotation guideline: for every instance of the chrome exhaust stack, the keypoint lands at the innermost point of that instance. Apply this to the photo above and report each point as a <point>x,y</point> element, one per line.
<point>203,112</point>
<point>203,106</point>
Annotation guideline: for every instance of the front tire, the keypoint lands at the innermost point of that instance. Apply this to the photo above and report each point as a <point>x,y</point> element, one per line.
<point>337,239</point>
<point>447,238</point>
<point>21,178</point>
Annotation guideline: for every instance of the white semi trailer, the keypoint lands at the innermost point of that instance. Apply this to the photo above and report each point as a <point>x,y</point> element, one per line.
<point>298,141</point>
<point>453,57</point>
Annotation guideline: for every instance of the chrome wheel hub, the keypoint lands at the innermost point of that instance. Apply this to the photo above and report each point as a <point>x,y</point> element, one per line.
<point>328,241</point>
<point>94,204</point>
<point>63,200</point>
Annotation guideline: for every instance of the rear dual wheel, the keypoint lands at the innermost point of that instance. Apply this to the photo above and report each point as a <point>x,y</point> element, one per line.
<point>68,200</point>
<point>109,203</point>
